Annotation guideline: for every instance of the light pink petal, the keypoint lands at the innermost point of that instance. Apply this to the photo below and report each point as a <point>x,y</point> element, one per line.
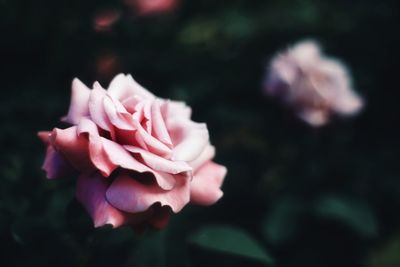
<point>73,147</point>
<point>91,192</point>
<point>96,107</point>
<point>160,130</point>
<point>348,104</point>
<point>207,154</point>
<point>206,183</point>
<point>306,53</point>
<point>124,86</point>
<point>314,117</point>
<point>129,195</point>
<point>117,114</point>
<point>175,109</point>
<point>138,89</point>
<point>158,163</point>
<point>79,102</point>
<point>189,138</point>
<point>120,157</point>
<point>152,143</point>
<point>131,102</point>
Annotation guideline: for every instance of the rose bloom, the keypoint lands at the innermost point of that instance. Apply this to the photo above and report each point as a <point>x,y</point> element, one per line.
<point>139,157</point>
<point>152,7</point>
<point>103,20</point>
<point>314,85</point>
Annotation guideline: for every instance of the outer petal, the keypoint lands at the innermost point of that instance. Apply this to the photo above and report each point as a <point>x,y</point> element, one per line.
<point>79,102</point>
<point>44,136</point>
<point>205,156</point>
<point>96,107</point>
<point>129,195</point>
<point>189,138</point>
<point>73,147</point>
<point>175,109</point>
<point>124,86</point>
<point>55,164</point>
<point>91,192</point>
<point>314,117</point>
<point>206,183</point>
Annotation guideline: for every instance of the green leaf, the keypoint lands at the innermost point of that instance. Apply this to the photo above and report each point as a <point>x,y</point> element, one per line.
<point>230,240</point>
<point>283,221</point>
<point>351,212</point>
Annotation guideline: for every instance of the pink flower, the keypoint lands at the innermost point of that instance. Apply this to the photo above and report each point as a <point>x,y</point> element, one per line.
<point>152,7</point>
<point>138,156</point>
<point>315,86</point>
<point>106,65</point>
<point>103,20</point>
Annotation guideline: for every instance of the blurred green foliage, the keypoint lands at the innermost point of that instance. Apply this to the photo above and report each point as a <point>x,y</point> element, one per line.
<point>300,196</point>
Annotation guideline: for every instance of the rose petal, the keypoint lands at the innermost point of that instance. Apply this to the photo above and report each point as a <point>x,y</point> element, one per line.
<point>91,192</point>
<point>79,102</point>
<point>153,145</point>
<point>124,86</point>
<point>348,104</point>
<point>314,117</point>
<point>130,103</point>
<point>107,155</point>
<point>206,183</point>
<point>147,116</point>
<point>189,138</point>
<point>158,163</point>
<point>96,107</point>
<point>129,195</point>
<point>175,109</point>
<point>160,129</point>
<point>73,147</point>
<point>207,154</point>
<point>44,137</point>
<point>55,165</point>
<point>117,114</point>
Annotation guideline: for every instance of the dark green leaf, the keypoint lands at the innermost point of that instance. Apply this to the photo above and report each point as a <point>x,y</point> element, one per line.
<point>283,221</point>
<point>351,212</point>
<point>230,240</point>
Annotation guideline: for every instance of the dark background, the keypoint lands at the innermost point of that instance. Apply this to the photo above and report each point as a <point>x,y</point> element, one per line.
<point>294,194</point>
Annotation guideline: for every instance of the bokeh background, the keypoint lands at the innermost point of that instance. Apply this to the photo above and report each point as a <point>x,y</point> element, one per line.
<point>294,195</point>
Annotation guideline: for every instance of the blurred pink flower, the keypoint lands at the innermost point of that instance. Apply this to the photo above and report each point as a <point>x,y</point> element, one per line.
<point>106,65</point>
<point>314,85</point>
<point>139,157</point>
<point>152,7</point>
<point>103,20</point>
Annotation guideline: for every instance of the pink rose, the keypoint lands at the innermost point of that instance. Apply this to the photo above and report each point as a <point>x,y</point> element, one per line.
<point>103,20</point>
<point>139,157</point>
<point>314,85</point>
<point>152,7</point>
